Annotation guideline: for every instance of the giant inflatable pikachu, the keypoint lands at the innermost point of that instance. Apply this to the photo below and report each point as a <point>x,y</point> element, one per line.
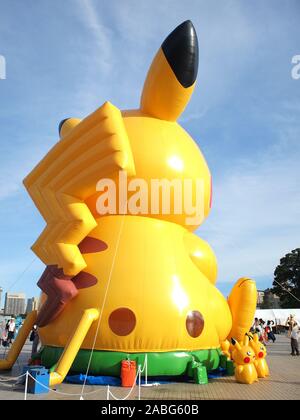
<point>126,285</point>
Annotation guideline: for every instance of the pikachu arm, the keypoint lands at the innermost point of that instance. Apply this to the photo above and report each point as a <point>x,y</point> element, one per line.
<point>239,369</point>
<point>204,259</point>
<point>19,342</point>
<point>225,346</point>
<point>242,304</point>
<point>73,346</point>
<point>202,256</point>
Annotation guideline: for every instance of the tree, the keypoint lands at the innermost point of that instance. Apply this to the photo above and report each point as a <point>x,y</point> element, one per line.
<point>287,274</point>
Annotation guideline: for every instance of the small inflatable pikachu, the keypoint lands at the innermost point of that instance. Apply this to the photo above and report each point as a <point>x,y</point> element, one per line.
<point>244,358</point>
<point>260,356</point>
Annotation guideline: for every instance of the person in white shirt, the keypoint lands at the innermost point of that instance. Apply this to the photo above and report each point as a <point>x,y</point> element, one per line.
<point>11,330</point>
<point>290,322</point>
<point>294,340</point>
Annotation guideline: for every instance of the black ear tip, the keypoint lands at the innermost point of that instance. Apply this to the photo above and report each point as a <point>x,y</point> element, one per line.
<point>185,28</point>
<point>233,341</point>
<point>187,24</point>
<point>61,124</point>
<point>181,51</point>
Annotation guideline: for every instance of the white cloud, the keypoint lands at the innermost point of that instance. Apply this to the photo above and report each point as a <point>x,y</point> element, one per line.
<point>101,33</point>
<point>192,116</point>
<point>124,39</point>
<point>256,210</point>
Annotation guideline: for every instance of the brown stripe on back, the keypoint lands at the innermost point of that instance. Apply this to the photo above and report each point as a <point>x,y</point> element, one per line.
<point>89,245</point>
<point>84,280</point>
<point>59,289</point>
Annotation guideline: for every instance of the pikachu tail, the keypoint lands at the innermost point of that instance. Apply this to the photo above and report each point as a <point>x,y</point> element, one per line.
<point>242,303</point>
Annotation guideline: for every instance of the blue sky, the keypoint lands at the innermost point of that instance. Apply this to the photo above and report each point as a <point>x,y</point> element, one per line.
<point>66,58</point>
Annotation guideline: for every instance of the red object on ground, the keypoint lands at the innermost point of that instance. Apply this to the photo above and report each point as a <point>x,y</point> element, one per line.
<point>128,373</point>
<point>34,362</point>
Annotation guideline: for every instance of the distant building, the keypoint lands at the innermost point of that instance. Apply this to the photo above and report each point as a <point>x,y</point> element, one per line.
<point>14,304</point>
<point>267,300</point>
<point>1,290</point>
<point>271,301</point>
<point>32,304</point>
<point>260,298</point>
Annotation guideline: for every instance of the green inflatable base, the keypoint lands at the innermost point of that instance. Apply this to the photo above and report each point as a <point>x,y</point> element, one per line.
<point>108,363</point>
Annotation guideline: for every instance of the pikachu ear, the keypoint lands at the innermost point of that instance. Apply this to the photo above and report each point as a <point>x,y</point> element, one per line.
<point>255,338</point>
<point>246,340</point>
<point>235,343</point>
<point>66,125</point>
<point>171,78</point>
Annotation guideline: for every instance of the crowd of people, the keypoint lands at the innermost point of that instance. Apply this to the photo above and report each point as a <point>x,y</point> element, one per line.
<point>9,331</point>
<point>266,332</point>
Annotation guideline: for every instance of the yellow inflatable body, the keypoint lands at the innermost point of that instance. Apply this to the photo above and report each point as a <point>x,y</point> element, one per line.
<point>149,278</point>
<point>260,351</point>
<point>244,360</point>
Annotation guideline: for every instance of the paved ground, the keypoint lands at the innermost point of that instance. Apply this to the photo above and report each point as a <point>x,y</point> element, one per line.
<point>284,383</point>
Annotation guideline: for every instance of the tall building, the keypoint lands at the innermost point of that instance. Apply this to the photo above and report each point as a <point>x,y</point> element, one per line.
<point>1,290</point>
<point>260,298</point>
<point>14,304</point>
<point>32,304</point>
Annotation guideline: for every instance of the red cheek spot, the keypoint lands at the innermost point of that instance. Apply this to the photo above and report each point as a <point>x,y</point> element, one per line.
<point>260,354</point>
<point>247,360</point>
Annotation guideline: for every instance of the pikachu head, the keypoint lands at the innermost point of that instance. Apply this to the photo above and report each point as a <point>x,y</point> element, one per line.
<point>242,353</point>
<point>258,347</point>
<point>162,150</point>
